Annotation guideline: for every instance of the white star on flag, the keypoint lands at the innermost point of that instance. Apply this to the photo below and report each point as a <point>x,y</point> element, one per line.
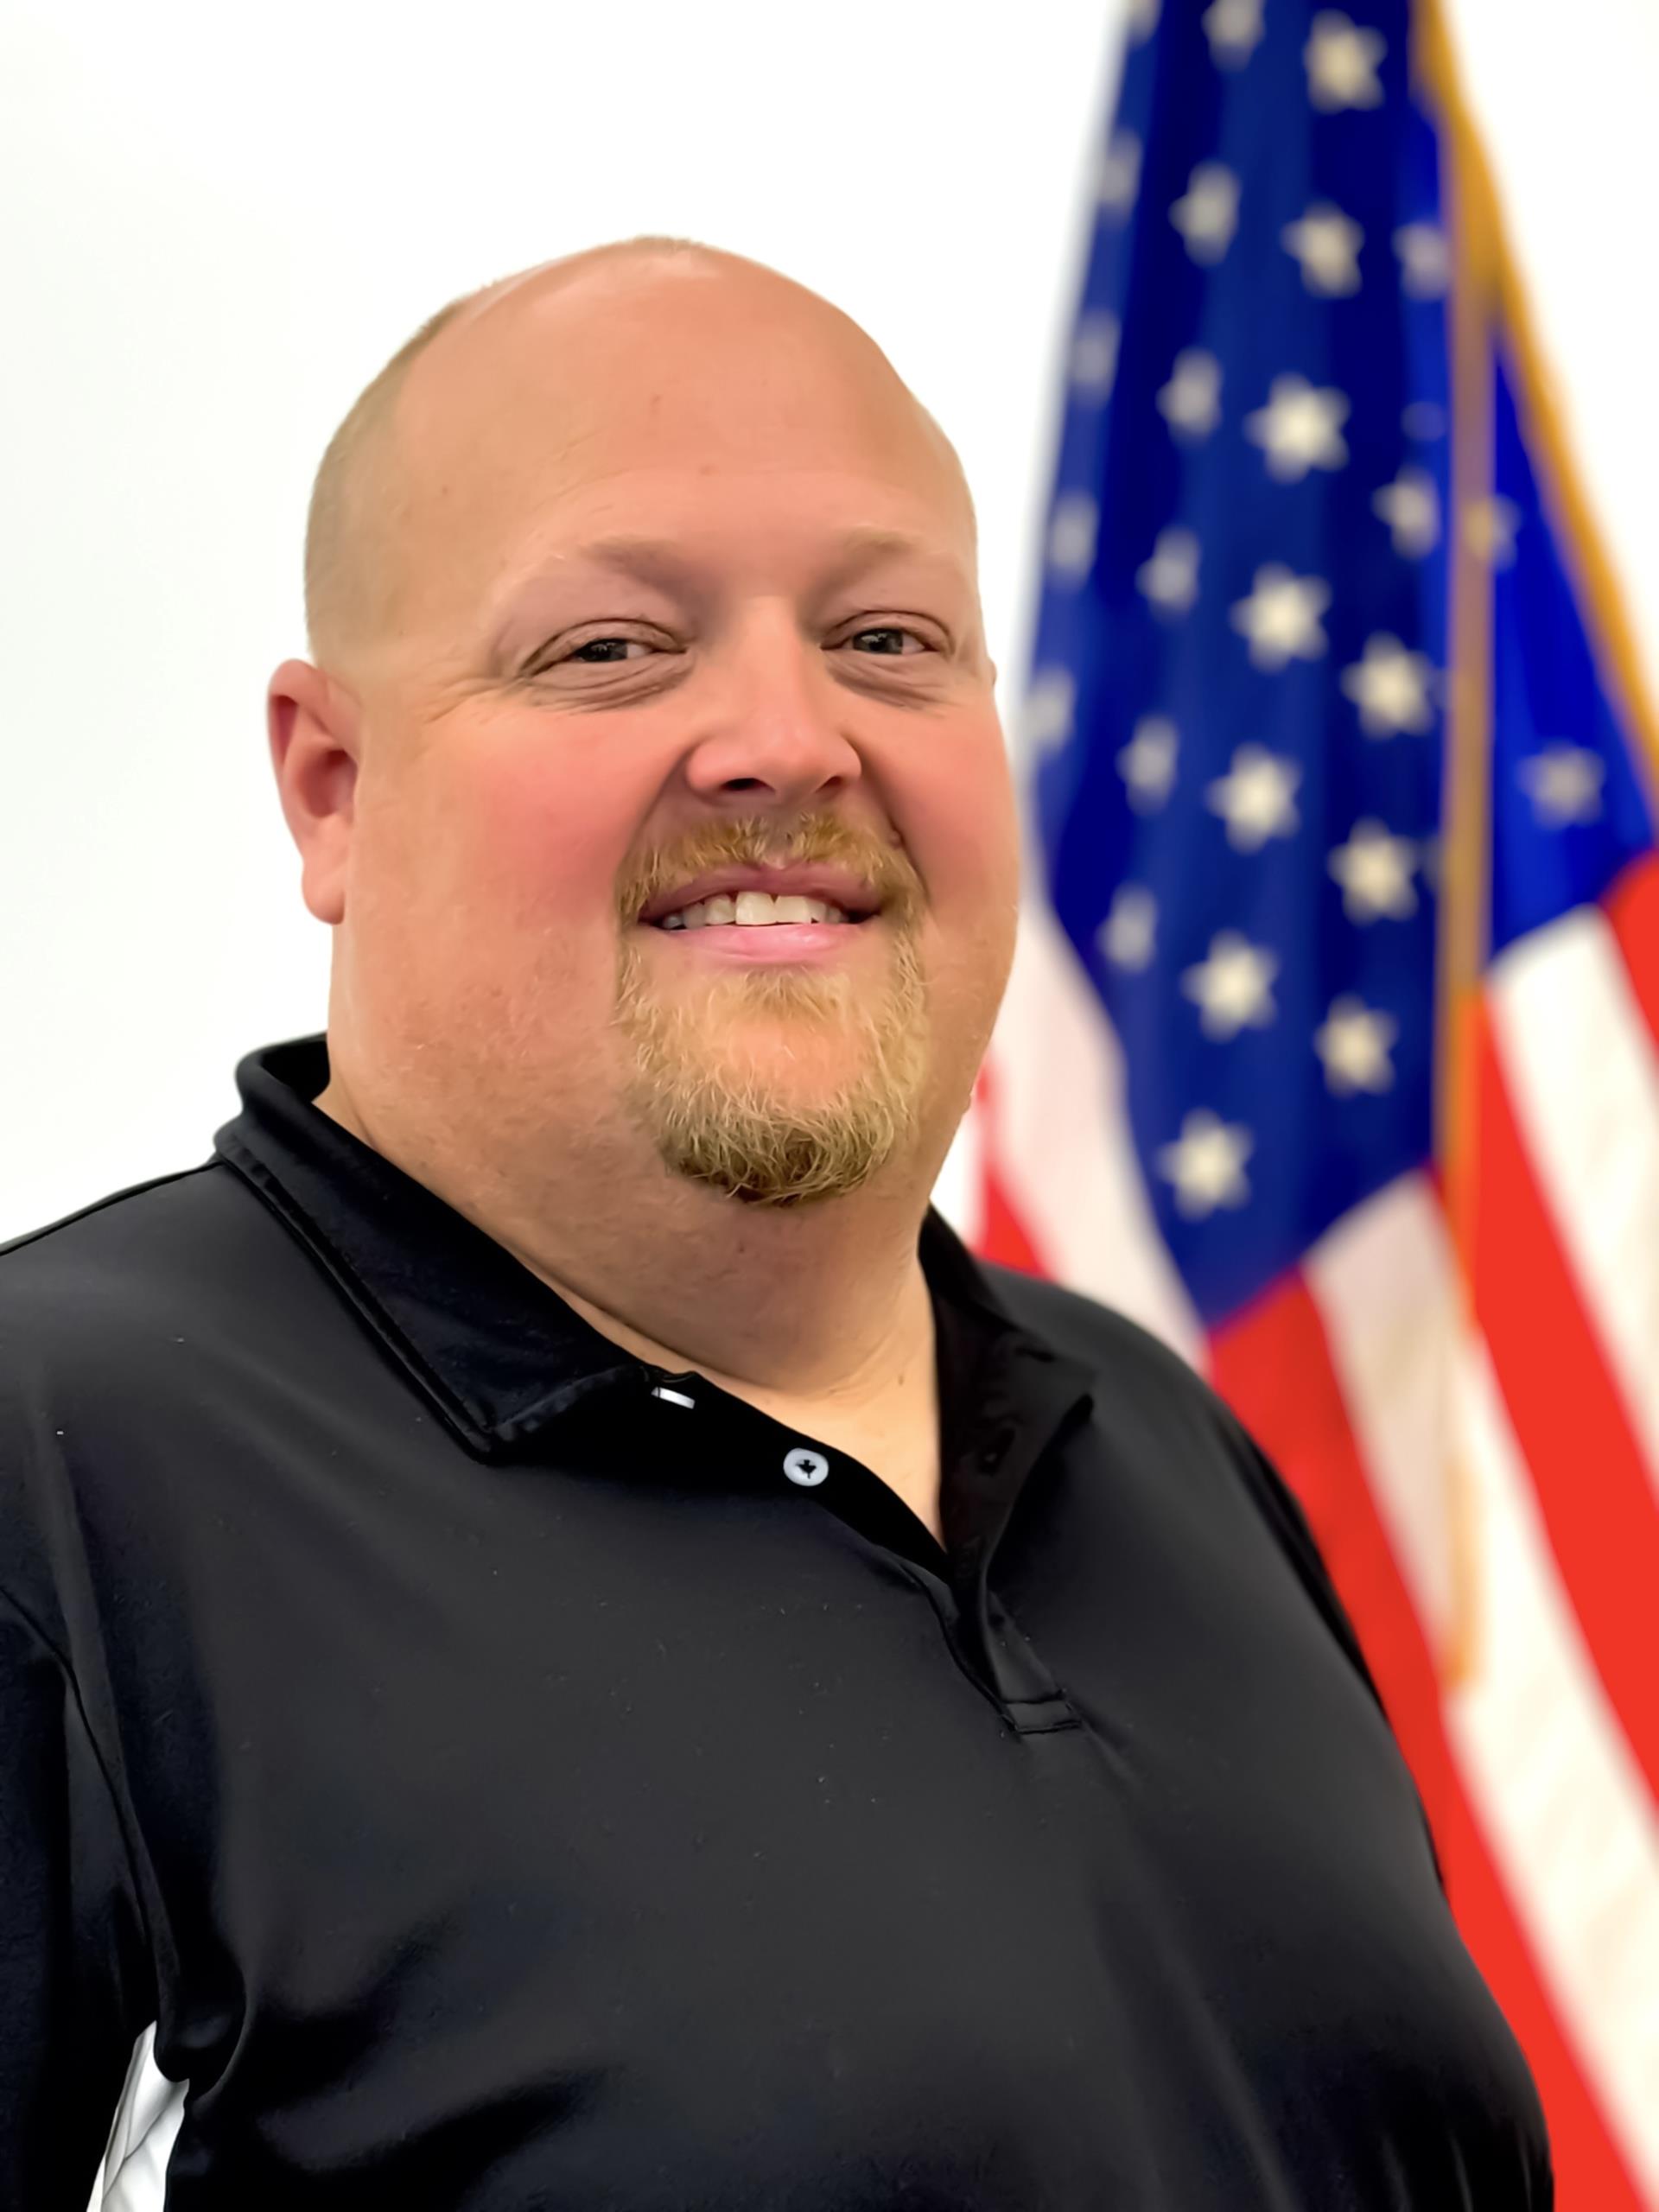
<point>1206,1164</point>
<point>1206,215</point>
<point>1425,255</point>
<point>1143,20</point>
<point>1050,705</point>
<point>1411,508</point>
<point>1342,62</point>
<point>1147,763</point>
<point>1489,528</point>
<point>1190,401</point>
<point>1233,985</point>
<point>1071,532</point>
<point>1564,784</point>
<point>1354,1042</point>
<point>1374,869</point>
<point>1094,354</point>
<point>1120,174</point>
<point>1326,244</point>
<point>1256,797</point>
<point>1128,936</point>
<point>1280,618</point>
<point>1299,428</point>
<point>1233,30</point>
<point>1169,580</point>
<point>1389,685</point>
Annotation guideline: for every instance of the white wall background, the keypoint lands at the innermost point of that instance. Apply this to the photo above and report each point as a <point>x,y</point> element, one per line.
<point>220,223</point>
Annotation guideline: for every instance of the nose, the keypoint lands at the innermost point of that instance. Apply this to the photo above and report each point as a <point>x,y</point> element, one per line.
<point>772,727</point>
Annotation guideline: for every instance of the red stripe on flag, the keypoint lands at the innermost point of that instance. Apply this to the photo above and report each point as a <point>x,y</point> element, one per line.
<point>1632,907</point>
<point>1273,1364</point>
<point>1568,1413</point>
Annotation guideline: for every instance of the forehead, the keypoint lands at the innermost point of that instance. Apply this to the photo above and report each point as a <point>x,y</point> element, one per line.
<point>678,410</point>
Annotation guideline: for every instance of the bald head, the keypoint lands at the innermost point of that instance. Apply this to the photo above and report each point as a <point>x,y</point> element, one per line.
<point>526,349</point>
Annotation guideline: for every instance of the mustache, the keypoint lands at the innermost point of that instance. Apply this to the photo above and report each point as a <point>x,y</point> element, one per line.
<point>755,842</point>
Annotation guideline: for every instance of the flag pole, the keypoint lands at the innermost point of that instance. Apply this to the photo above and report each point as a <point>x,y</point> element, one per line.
<point>1488,291</point>
<point>1465,829</point>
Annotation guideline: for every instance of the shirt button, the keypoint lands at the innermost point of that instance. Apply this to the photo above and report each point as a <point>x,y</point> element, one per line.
<point>807,1467</point>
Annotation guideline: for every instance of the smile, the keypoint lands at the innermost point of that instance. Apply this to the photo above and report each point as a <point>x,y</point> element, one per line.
<point>754,910</point>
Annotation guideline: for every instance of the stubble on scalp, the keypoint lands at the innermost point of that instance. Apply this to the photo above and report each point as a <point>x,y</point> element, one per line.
<point>364,500</point>
<point>719,1116</point>
<point>361,496</point>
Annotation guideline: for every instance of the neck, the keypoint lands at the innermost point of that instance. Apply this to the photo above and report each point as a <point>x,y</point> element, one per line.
<point>776,1307</point>
<point>826,1302</point>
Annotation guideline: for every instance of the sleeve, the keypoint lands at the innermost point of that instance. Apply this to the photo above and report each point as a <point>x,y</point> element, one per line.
<point>76,1987</point>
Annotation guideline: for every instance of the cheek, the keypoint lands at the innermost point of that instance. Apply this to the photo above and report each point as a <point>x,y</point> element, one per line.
<point>539,839</point>
<point>545,840</point>
<point>962,829</point>
<point>506,865</point>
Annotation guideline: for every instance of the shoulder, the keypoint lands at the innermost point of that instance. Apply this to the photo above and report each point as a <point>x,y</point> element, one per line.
<point>118,1255</point>
<point>99,1312</point>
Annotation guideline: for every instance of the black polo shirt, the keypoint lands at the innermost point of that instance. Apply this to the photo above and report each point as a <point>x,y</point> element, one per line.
<point>512,1775</point>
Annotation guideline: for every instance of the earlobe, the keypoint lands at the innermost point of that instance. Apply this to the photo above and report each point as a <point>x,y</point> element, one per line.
<point>312,727</point>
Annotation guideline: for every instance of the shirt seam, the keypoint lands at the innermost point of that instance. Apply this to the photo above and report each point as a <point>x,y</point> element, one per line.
<point>97,1205</point>
<point>13,1604</point>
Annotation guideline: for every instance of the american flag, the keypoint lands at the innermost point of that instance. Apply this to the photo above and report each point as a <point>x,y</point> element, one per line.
<point>1332,1051</point>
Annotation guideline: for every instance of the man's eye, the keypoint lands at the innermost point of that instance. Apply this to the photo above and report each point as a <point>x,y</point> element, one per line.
<point>599,649</point>
<point>891,631</point>
<point>885,640</point>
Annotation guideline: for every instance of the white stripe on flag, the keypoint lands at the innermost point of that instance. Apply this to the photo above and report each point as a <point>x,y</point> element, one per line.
<point>1063,1152</point>
<point>1572,1825</point>
<point>1584,1078</point>
<point>1383,1284</point>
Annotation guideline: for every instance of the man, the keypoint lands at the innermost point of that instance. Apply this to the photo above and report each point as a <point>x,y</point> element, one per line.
<point>565,1643</point>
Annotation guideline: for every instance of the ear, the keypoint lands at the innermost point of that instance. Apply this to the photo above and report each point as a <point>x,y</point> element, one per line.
<point>312,722</point>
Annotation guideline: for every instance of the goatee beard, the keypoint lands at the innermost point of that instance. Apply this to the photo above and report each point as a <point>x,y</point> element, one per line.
<point>714,1112</point>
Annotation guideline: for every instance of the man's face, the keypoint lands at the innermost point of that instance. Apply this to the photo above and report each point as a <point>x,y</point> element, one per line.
<point>688,596</point>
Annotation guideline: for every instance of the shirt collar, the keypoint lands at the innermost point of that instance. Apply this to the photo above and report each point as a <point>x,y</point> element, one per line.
<point>498,1351</point>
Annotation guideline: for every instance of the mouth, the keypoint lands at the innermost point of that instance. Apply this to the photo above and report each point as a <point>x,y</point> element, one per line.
<point>802,894</point>
<point>744,938</point>
<point>806,899</point>
<point>749,910</point>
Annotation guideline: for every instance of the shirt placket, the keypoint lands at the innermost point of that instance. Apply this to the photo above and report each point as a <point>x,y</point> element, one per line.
<point>980,1494</point>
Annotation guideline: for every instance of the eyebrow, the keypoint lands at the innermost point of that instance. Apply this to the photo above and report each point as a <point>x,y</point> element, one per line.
<point>661,562</point>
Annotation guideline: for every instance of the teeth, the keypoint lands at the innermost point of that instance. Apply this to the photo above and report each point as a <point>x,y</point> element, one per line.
<point>750,909</point>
